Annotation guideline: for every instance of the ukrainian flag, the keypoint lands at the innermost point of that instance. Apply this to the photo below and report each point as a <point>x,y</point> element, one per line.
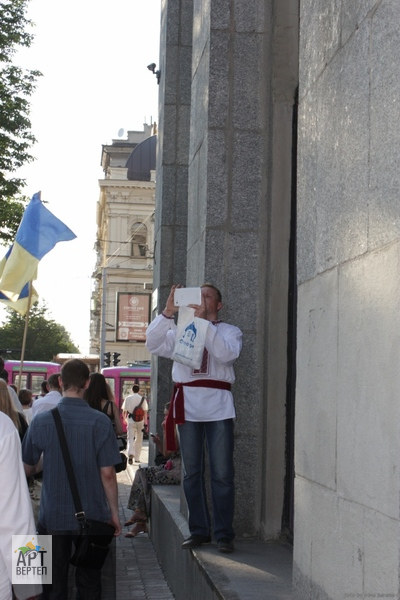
<point>21,305</point>
<point>38,233</point>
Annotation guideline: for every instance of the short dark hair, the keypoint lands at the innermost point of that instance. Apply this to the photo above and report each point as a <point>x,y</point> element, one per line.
<point>211,285</point>
<point>53,381</point>
<point>4,375</point>
<point>135,388</point>
<point>74,374</point>
<point>25,397</point>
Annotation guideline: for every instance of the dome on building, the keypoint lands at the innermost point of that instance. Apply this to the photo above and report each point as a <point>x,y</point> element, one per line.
<point>142,160</point>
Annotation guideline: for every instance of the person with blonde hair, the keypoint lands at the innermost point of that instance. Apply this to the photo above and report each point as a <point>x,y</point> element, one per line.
<point>7,407</point>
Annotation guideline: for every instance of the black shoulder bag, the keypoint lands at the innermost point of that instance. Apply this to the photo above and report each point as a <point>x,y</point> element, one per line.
<point>95,537</point>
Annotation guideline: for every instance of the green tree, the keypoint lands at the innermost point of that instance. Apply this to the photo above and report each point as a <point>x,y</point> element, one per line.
<point>45,338</point>
<point>16,138</point>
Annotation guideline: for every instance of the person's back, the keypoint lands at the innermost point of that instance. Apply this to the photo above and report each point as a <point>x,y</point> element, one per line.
<point>51,399</point>
<point>87,432</point>
<point>99,396</point>
<point>134,425</point>
<point>94,452</point>
<point>25,397</point>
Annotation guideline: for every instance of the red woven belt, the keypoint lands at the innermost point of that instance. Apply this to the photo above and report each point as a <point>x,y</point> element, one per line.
<point>177,406</point>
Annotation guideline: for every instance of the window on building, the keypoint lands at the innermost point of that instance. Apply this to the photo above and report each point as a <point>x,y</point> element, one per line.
<point>138,240</point>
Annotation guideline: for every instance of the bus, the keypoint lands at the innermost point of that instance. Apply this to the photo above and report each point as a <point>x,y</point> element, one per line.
<point>121,380</point>
<point>33,373</point>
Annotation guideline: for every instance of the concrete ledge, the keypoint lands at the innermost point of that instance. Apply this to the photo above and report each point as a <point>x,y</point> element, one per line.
<point>257,569</point>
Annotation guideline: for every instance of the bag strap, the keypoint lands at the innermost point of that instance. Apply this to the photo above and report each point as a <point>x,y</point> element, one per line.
<point>80,514</point>
<point>105,408</point>
<point>138,406</point>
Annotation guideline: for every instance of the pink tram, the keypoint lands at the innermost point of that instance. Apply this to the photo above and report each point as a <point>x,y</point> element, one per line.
<point>121,380</point>
<point>33,373</point>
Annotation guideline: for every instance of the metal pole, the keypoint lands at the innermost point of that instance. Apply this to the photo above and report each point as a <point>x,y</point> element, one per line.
<point>103,316</point>
<point>24,338</point>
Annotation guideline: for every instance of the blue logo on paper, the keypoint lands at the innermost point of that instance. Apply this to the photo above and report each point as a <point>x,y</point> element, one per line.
<point>191,332</point>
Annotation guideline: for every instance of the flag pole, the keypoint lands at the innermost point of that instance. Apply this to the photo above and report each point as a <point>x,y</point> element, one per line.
<point>25,336</point>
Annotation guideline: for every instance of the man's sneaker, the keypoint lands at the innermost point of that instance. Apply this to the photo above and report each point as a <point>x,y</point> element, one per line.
<point>130,459</point>
<point>194,541</point>
<point>225,546</point>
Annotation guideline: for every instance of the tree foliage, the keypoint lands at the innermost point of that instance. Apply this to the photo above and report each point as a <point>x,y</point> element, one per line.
<point>16,138</point>
<point>45,338</point>
<point>11,212</point>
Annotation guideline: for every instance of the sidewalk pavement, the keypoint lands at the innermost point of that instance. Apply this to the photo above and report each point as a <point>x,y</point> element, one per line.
<point>138,572</point>
<point>257,570</point>
<point>132,571</point>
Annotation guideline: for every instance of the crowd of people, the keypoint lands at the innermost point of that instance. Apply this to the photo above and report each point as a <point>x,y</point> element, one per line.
<point>92,422</point>
<point>201,414</point>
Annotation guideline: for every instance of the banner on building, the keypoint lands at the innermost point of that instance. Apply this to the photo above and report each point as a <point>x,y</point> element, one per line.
<point>133,315</point>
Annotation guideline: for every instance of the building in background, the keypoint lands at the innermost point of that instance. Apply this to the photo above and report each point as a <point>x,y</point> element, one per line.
<point>124,245</point>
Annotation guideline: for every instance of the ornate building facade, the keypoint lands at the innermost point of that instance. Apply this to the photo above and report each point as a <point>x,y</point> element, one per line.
<point>124,245</point>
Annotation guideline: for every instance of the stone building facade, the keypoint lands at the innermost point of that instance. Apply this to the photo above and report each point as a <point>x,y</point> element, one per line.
<point>124,241</point>
<point>277,180</point>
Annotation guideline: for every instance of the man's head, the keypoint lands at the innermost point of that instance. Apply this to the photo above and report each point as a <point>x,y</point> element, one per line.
<point>74,375</point>
<point>53,382</point>
<point>1,363</point>
<point>211,296</point>
<point>135,388</point>
<point>25,397</point>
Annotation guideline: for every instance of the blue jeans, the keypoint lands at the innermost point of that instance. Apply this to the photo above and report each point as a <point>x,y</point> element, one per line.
<point>88,581</point>
<point>218,435</point>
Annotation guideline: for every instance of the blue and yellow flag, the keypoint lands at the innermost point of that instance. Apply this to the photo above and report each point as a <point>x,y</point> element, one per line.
<point>38,233</point>
<point>21,304</point>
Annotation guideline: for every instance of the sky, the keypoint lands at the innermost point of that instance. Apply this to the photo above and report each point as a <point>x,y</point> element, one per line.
<point>93,55</point>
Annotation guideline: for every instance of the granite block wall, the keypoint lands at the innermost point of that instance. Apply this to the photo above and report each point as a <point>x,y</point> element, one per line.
<point>347,445</point>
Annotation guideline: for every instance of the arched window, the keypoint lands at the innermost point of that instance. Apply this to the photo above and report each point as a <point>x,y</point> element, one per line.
<point>138,240</point>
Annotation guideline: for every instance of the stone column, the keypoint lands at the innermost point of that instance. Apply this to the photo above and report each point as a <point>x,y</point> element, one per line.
<point>239,221</point>
<point>172,173</point>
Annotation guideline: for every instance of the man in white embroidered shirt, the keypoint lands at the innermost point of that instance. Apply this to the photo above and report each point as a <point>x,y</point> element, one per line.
<point>203,408</point>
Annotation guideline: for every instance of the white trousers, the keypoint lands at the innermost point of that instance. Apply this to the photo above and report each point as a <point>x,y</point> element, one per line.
<point>135,438</point>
